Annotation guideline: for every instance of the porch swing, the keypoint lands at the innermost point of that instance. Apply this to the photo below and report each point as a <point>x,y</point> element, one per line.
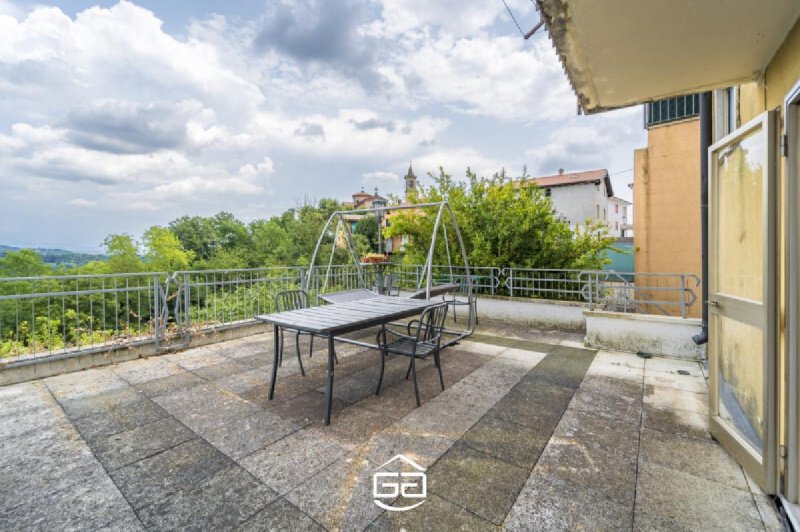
<point>434,286</point>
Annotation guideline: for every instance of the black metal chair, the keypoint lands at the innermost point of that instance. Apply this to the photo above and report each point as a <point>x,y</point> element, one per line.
<point>471,301</point>
<point>293,300</point>
<point>389,289</point>
<point>424,342</point>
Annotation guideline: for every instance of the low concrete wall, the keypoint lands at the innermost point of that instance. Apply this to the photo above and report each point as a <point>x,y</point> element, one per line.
<point>659,335</point>
<point>48,366</point>
<point>533,312</point>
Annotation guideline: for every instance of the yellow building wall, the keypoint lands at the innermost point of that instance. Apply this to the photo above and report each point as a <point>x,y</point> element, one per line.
<point>666,199</point>
<point>779,77</point>
<point>740,364</point>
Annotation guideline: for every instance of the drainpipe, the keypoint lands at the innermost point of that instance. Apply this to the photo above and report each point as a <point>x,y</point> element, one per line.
<point>705,142</point>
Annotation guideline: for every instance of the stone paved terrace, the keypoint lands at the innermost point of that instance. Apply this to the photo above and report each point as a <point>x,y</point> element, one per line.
<point>532,432</point>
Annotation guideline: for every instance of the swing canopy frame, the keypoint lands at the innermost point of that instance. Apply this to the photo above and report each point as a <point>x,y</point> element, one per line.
<point>430,289</point>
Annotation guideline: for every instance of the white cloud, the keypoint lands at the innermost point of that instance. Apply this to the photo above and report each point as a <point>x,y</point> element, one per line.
<point>117,53</point>
<point>107,107</point>
<point>30,135</point>
<point>573,147</point>
<point>10,9</point>
<point>588,142</point>
<point>501,77</point>
<point>341,136</point>
<point>455,17</point>
<point>455,161</point>
<point>380,178</point>
<point>80,202</point>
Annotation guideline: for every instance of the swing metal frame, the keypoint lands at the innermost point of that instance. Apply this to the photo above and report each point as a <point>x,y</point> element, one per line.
<point>452,335</point>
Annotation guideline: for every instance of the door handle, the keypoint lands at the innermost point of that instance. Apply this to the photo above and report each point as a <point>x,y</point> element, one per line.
<point>712,303</point>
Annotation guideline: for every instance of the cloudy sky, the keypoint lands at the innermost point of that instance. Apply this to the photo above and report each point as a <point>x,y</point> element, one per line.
<point>118,116</point>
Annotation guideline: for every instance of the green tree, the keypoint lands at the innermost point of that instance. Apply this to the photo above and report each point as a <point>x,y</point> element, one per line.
<point>23,263</point>
<point>231,233</point>
<point>196,234</point>
<point>503,223</point>
<point>272,244</point>
<point>123,254</point>
<point>164,251</point>
<point>208,236</point>
<point>368,228</point>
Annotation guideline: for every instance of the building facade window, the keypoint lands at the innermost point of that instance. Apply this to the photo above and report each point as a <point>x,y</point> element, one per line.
<point>671,109</point>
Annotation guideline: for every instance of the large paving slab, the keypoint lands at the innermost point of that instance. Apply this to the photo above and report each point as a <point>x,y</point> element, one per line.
<point>532,432</point>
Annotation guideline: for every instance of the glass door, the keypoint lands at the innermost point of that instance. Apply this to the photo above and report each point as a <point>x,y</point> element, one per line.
<point>791,113</point>
<point>742,262</point>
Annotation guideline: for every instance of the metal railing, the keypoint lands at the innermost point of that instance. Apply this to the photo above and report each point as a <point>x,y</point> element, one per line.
<point>645,293</point>
<point>63,313</point>
<point>564,285</point>
<point>209,298</point>
<point>55,315</point>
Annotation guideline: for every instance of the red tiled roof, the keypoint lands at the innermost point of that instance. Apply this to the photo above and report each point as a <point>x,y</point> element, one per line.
<point>368,198</point>
<point>575,178</point>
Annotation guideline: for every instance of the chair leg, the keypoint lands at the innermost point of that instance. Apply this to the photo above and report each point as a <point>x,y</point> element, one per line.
<point>380,378</point>
<point>454,313</point>
<point>475,310</point>
<point>408,371</point>
<point>438,362</point>
<point>414,379</point>
<point>280,351</point>
<point>311,349</point>
<point>299,358</point>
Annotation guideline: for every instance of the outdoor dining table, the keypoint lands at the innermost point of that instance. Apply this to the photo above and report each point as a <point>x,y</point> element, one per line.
<point>337,319</point>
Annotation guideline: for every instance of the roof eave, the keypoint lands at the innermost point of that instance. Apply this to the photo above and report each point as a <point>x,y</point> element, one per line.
<point>609,57</point>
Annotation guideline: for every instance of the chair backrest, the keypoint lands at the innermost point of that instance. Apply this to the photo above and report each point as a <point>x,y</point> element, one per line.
<point>464,288</point>
<point>291,300</point>
<point>431,323</point>
<point>388,281</point>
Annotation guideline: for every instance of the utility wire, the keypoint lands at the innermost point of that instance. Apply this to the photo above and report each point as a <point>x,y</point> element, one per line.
<point>528,35</point>
<point>620,172</point>
<point>514,19</point>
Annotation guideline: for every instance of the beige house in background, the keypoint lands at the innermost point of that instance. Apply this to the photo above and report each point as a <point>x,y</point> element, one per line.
<point>666,191</point>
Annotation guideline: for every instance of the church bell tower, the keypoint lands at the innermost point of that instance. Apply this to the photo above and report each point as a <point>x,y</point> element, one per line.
<point>411,181</point>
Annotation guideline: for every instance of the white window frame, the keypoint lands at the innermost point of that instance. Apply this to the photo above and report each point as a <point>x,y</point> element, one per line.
<point>760,464</point>
<point>726,105</point>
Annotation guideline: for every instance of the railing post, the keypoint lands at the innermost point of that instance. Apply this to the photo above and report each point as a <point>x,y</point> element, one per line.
<point>316,281</point>
<point>510,282</point>
<point>157,310</point>
<point>186,303</point>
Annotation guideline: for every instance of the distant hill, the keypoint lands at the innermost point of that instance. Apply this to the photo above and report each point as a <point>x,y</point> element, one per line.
<point>59,257</point>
